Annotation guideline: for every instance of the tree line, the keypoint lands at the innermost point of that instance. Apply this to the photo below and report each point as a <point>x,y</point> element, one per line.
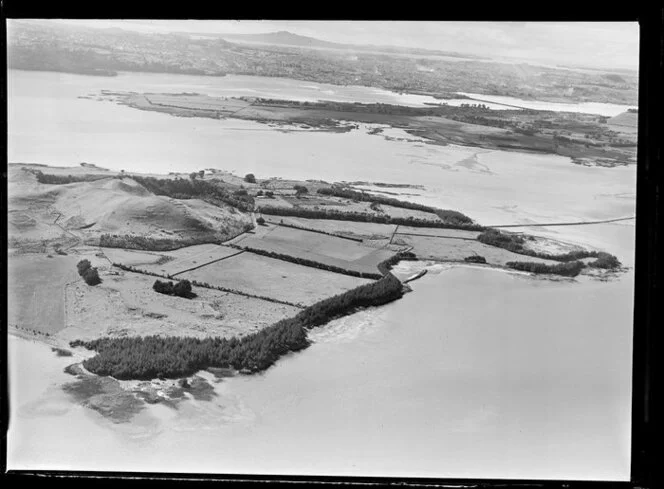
<point>366,217</point>
<point>568,269</point>
<point>446,215</point>
<point>145,358</point>
<point>181,188</point>
<point>309,263</point>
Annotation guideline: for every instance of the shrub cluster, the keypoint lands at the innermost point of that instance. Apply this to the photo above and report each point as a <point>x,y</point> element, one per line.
<point>386,265</point>
<point>181,288</point>
<point>366,217</point>
<point>475,259</point>
<point>171,357</point>
<point>88,272</point>
<point>568,269</point>
<point>605,260</point>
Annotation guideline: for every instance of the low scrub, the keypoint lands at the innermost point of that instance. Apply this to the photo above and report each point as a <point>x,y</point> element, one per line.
<point>567,269</point>
<point>171,357</point>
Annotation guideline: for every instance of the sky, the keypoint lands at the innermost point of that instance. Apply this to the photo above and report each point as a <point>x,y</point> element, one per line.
<point>590,44</point>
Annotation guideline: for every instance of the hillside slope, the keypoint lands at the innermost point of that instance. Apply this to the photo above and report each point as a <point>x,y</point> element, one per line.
<point>50,215</point>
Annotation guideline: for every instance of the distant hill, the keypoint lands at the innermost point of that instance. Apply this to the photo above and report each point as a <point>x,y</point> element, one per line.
<point>285,38</point>
<point>626,119</point>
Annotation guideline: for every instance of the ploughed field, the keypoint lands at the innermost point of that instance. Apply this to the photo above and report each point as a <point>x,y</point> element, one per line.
<point>321,248</point>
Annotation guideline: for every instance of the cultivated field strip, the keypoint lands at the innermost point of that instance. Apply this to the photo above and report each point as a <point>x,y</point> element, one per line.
<point>269,277</point>
<point>321,248</point>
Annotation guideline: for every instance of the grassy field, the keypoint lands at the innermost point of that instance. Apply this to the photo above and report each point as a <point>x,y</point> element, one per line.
<point>132,257</point>
<point>273,278</point>
<point>36,291</point>
<point>368,230</point>
<point>452,233</point>
<point>125,305</point>
<point>321,248</point>
<point>451,249</point>
<point>189,257</point>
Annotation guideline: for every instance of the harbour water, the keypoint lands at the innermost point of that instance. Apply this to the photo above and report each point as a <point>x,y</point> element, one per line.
<point>477,373</point>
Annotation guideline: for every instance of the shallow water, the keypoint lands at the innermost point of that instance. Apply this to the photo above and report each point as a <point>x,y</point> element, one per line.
<point>609,110</point>
<point>476,373</point>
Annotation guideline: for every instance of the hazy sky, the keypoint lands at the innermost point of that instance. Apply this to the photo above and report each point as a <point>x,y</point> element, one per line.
<point>592,44</point>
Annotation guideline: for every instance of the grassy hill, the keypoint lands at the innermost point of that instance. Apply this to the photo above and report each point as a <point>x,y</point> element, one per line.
<point>47,215</point>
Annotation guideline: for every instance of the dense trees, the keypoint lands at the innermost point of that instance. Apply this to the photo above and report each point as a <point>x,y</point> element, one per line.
<point>568,269</point>
<point>180,188</point>
<point>300,190</point>
<point>605,260</point>
<point>181,288</point>
<point>153,356</point>
<point>250,178</point>
<point>88,272</point>
<point>260,221</point>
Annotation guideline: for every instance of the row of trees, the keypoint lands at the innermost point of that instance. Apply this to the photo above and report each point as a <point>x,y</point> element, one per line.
<point>568,269</point>
<point>63,180</point>
<point>450,223</point>
<point>88,272</point>
<point>150,357</point>
<point>449,216</point>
